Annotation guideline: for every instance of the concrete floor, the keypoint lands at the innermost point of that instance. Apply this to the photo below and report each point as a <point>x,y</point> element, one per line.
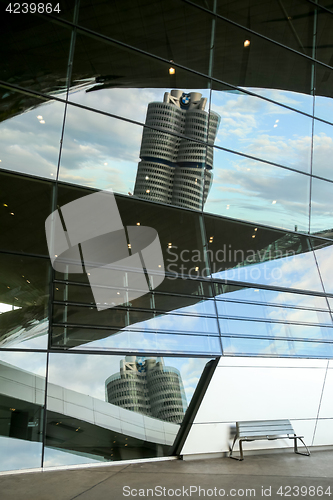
<point>257,476</point>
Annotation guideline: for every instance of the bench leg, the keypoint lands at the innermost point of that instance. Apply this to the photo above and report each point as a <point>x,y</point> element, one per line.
<point>240,450</point>
<point>307,454</point>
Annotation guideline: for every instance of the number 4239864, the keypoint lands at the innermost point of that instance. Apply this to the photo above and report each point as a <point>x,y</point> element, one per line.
<point>32,8</point>
<point>302,491</point>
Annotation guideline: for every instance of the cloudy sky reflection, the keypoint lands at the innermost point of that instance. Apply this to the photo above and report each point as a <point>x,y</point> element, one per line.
<point>103,152</point>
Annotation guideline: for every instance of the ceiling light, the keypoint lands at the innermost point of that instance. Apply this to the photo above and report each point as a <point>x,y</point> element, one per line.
<point>147,190</point>
<point>39,117</point>
<point>42,121</point>
<point>256,229</point>
<point>5,205</point>
<point>129,245</point>
<point>147,178</point>
<point>197,269</point>
<point>273,202</point>
<point>138,224</point>
<point>247,43</point>
<point>253,235</point>
<point>11,213</point>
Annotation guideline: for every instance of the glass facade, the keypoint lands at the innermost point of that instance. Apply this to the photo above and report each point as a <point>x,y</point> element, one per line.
<point>211,124</point>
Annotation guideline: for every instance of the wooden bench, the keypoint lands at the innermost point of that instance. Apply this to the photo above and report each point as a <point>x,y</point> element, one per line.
<point>265,429</point>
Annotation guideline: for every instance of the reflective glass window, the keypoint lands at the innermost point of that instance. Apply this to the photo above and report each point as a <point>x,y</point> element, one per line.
<point>124,82</point>
<point>255,64</point>
<point>259,295</point>
<point>270,313</point>
<point>321,221</point>
<point>22,399</point>
<point>263,347</point>
<point>241,252</point>
<point>128,407</point>
<point>25,204</point>
<point>173,30</point>
<point>322,149</point>
<point>33,50</point>
<point>179,234</point>
<point>288,23</point>
<point>24,295</point>
<point>86,337</point>
<point>256,191</point>
<point>99,151</point>
<point>275,330</point>
<point>30,133</point>
<point>262,129</point>
<point>324,261</point>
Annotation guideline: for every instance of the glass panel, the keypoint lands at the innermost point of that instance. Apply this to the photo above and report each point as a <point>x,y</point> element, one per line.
<point>159,302</point>
<point>24,293</point>
<point>289,23</point>
<point>172,30</point>
<point>30,132</point>
<point>323,99</point>
<point>259,128</point>
<point>178,250</point>
<point>205,307</point>
<point>127,82</point>
<point>99,151</point>
<point>128,407</point>
<point>34,51</point>
<point>133,320</point>
<point>330,302</point>
<point>243,310</point>
<point>324,259</point>
<point>183,286</point>
<point>24,206</point>
<point>241,252</point>
<point>22,398</point>
<point>248,295</point>
<point>321,221</point>
<point>275,330</point>
<point>324,27</point>
<point>85,337</point>
<point>322,149</point>
<point>248,61</point>
<point>278,348</point>
<point>256,191</point>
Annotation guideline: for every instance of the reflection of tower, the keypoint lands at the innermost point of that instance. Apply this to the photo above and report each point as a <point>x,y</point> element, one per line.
<point>173,169</point>
<point>148,387</point>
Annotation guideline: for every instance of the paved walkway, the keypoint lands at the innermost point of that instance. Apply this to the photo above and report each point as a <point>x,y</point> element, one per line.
<point>278,476</point>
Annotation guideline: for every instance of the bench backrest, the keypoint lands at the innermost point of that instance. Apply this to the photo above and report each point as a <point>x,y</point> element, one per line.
<point>264,428</point>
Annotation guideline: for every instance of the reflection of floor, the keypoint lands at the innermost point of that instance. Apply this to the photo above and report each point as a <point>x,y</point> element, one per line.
<point>255,472</point>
